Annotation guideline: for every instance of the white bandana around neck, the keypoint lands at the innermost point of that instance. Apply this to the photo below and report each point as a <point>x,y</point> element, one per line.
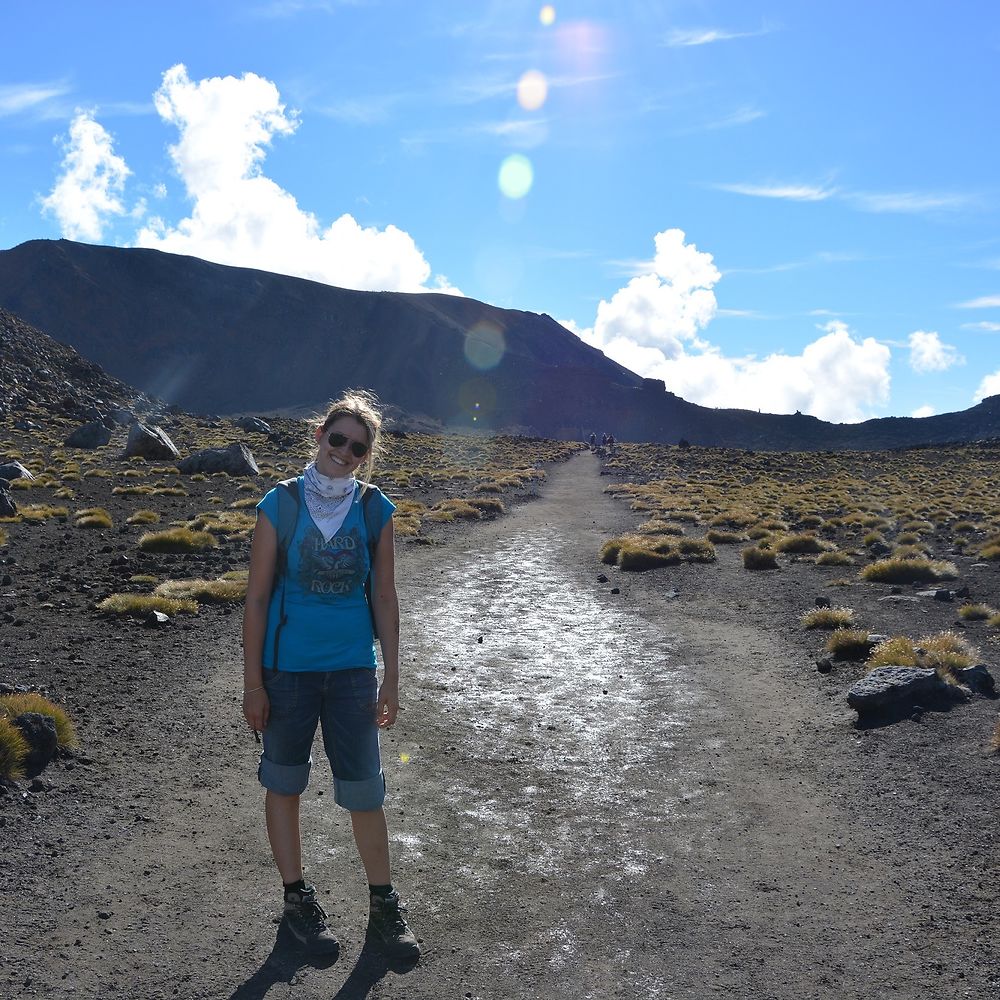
<point>328,500</point>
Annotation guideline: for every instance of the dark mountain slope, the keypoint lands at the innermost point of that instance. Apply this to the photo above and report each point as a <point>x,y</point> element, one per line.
<point>224,339</point>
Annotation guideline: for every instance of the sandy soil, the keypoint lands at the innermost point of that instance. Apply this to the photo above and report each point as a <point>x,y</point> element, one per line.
<point>648,793</point>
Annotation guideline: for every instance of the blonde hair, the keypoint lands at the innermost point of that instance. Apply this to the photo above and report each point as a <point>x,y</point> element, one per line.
<point>363,406</point>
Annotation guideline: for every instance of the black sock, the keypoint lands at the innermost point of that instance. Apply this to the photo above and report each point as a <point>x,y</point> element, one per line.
<point>380,890</point>
<point>299,885</point>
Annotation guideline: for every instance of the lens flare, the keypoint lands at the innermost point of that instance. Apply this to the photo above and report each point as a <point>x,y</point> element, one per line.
<point>547,15</point>
<point>532,90</point>
<point>516,176</point>
<point>485,346</point>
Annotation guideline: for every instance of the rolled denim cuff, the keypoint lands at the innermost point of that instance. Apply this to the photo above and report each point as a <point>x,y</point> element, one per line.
<point>360,796</point>
<point>285,779</point>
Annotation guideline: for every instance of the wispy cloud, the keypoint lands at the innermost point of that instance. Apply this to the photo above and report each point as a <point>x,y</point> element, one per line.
<point>362,110</point>
<point>476,91</point>
<point>910,202</point>
<point>788,192</point>
<point>983,302</point>
<point>985,326</point>
<point>292,8</point>
<point>35,98</point>
<point>688,37</point>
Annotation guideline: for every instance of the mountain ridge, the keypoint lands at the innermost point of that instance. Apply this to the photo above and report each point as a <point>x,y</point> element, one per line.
<point>219,339</point>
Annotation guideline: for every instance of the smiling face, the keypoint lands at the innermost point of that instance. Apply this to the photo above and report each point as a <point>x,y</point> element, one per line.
<point>340,461</point>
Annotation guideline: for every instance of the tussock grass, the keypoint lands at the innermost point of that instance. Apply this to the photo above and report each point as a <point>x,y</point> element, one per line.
<point>995,739</point>
<point>224,522</point>
<point>3,536</point>
<point>718,537</point>
<point>448,510</point>
<point>133,491</point>
<point>181,539</point>
<point>916,570</point>
<point>636,558</point>
<point>832,618</point>
<point>13,705</point>
<point>656,526</point>
<point>944,652</point>
<point>990,552</point>
<point>140,605</point>
<point>245,502</point>
<point>146,578</point>
<point>994,621</point>
<point>92,517</point>
<point>801,543</point>
<point>41,512</point>
<point>204,591</point>
<point>836,558</point>
<point>13,750</point>
<point>696,549</point>
<point>976,612</point>
<point>490,506</point>
<point>755,558</point>
<point>144,516</point>
<point>848,644</point>
<point>640,552</point>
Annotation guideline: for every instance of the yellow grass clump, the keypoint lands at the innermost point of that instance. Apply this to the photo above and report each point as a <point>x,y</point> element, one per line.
<point>140,605</point>
<point>917,570</point>
<point>755,558</point>
<point>92,517</point>
<point>848,644</point>
<point>203,591</point>
<point>13,705</point>
<point>13,749</point>
<point>144,516</point>
<point>832,618</point>
<point>180,539</point>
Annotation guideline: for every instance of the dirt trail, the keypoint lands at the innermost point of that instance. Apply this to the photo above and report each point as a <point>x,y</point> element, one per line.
<point>591,795</point>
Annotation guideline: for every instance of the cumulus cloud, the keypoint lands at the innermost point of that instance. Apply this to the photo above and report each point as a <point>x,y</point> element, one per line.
<point>929,354</point>
<point>923,411</point>
<point>240,216</point>
<point>88,191</point>
<point>654,326</point>
<point>990,386</point>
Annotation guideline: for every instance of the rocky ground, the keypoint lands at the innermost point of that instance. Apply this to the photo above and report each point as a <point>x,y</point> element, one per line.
<point>636,786</point>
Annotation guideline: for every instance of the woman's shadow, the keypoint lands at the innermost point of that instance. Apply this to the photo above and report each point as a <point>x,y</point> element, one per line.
<point>288,958</point>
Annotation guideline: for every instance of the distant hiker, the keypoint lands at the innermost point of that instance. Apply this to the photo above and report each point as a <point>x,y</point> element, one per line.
<point>604,440</point>
<point>593,441</point>
<point>309,658</point>
<point>611,442</point>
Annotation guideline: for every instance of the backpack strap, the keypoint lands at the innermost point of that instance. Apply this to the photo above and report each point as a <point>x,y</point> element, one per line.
<point>367,507</point>
<point>288,519</point>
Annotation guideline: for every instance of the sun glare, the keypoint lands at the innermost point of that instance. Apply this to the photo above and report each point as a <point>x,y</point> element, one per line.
<point>516,176</point>
<point>547,15</point>
<point>532,89</point>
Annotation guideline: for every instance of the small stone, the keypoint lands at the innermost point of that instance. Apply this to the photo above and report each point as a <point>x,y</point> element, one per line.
<point>824,665</point>
<point>615,590</point>
<point>823,602</point>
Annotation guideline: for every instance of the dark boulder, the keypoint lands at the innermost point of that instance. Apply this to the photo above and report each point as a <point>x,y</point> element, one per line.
<point>236,460</point>
<point>89,435</point>
<point>146,441</point>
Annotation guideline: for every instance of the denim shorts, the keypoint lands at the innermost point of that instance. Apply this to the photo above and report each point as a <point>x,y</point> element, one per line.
<point>344,702</point>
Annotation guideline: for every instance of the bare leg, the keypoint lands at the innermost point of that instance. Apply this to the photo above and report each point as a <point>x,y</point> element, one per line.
<point>282,813</point>
<point>372,837</point>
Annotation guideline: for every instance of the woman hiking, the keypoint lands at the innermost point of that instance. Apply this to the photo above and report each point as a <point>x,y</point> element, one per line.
<point>309,658</point>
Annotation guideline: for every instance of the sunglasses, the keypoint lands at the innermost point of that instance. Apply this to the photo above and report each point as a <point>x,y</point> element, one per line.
<point>358,449</point>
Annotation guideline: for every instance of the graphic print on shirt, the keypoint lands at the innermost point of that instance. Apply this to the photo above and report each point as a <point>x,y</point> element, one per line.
<point>338,566</point>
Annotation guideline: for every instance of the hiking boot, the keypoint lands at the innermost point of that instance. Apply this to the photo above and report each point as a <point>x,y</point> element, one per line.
<point>388,929</point>
<point>306,919</point>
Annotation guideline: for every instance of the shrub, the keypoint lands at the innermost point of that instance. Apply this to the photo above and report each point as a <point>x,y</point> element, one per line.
<point>203,591</point>
<point>848,644</point>
<point>13,749</point>
<point>144,517</point>
<point>947,653</point>
<point>963,527</point>
<point>636,558</point>
<point>873,538</point>
<point>806,542</point>
<point>132,491</point>
<point>13,705</point>
<point>92,517</point>
<point>140,605</point>
<point>976,612</point>
<point>898,651</point>
<point>755,558</point>
<point>990,552</point>
<point>839,617</point>
<point>488,505</point>
<point>245,503</point>
<point>448,510</point>
<point>177,540</point>
<point>910,552</point>
<point>918,570</point>
<point>834,559</point>
<point>658,527</point>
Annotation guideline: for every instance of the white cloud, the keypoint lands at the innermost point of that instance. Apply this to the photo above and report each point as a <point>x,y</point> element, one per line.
<point>990,386</point>
<point>923,411</point>
<point>16,98</point>
<point>654,325</point>
<point>910,202</point>
<point>983,302</point>
<point>929,354</point>
<point>687,37</point>
<point>788,192</point>
<point>241,217</point>
<point>88,192</point>
<point>985,325</point>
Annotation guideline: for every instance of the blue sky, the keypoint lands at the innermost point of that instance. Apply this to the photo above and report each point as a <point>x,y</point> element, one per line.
<point>784,205</point>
